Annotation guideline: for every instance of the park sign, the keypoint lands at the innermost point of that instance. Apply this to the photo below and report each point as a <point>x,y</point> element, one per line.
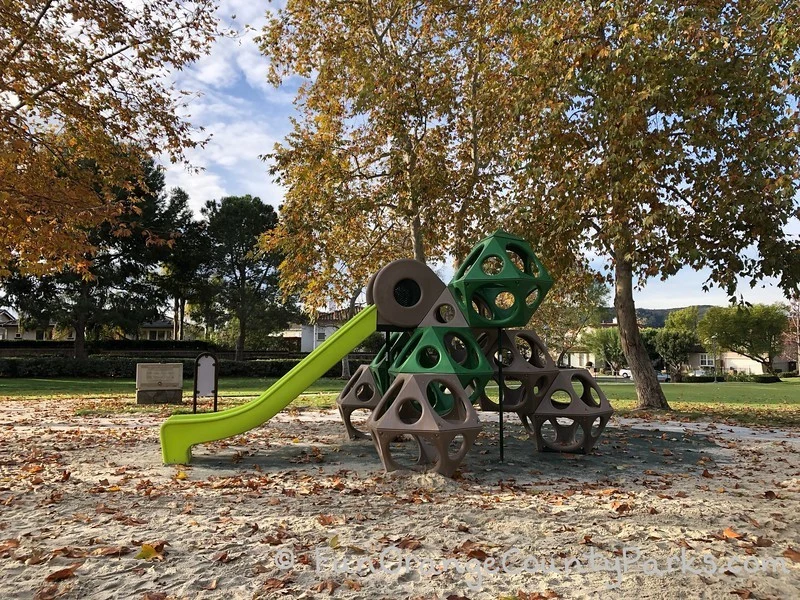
<point>159,383</point>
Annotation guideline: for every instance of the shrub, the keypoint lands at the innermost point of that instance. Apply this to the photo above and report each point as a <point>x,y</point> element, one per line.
<point>125,367</point>
<point>765,378</point>
<point>788,374</point>
<point>703,379</point>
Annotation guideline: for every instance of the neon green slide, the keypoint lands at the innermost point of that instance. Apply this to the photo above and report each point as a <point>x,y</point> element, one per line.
<point>180,432</point>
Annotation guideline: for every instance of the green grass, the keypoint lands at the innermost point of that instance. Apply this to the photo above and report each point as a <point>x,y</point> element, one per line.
<point>775,404</point>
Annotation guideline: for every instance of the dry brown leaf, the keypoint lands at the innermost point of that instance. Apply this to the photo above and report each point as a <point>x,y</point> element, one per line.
<point>620,507</point>
<point>111,551</point>
<point>63,574</point>
<point>743,593</point>
<point>731,534</point>
<point>154,596</point>
<point>763,542</point>
<point>707,475</point>
<point>792,554</point>
<point>212,585</point>
<point>329,585</point>
<point>47,593</point>
<point>770,495</point>
<point>353,585</point>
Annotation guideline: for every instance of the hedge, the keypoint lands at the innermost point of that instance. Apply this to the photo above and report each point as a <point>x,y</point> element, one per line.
<point>721,377</point>
<point>702,379</point>
<point>788,374</point>
<point>93,346</point>
<point>125,367</point>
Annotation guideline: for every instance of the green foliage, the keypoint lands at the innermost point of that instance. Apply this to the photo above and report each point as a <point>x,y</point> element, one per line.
<point>94,367</point>
<point>788,374</point>
<point>704,379</point>
<point>755,332</point>
<point>685,319</point>
<point>116,290</point>
<point>674,345</point>
<point>247,277</point>
<point>575,302</point>
<point>606,345</point>
<point>374,343</point>
<point>649,335</point>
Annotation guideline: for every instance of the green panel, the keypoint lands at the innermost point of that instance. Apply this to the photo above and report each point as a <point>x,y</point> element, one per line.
<point>380,365</point>
<point>180,432</point>
<point>501,283</point>
<point>452,351</point>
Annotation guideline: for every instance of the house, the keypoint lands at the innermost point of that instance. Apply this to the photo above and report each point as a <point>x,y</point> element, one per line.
<point>11,329</point>
<point>313,334</point>
<point>163,329</point>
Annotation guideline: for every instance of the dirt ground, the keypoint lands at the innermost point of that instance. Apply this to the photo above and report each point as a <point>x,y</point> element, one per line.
<point>293,510</point>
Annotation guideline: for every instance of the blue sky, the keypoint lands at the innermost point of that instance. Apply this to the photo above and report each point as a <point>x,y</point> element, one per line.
<point>245,117</point>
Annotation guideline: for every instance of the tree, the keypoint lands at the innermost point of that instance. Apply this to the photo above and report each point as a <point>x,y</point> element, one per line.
<point>248,276</point>
<point>655,134</point>
<point>755,332</point>
<point>184,270</point>
<point>399,146</point>
<point>573,304</point>
<point>117,288</point>
<point>674,346</point>
<point>660,135</point>
<point>684,319</point>
<point>606,345</point>
<point>794,327</point>
<point>85,81</point>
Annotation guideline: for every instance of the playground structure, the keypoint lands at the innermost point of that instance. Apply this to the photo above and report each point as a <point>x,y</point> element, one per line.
<point>444,344</point>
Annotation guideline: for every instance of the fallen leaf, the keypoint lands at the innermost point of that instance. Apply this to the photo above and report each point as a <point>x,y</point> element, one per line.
<point>353,585</point>
<point>212,585</point>
<point>763,542</point>
<point>149,552</point>
<point>329,585</point>
<point>707,475</point>
<point>181,475</point>
<point>111,551</point>
<point>743,593</point>
<point>63,574</point>
<point>620,507</point>
<point>792,554</point>
<point>334,542</point>
<point>47,593</point>
<point>770,495</point>
<point>731,534</point>
<point>154,596</point>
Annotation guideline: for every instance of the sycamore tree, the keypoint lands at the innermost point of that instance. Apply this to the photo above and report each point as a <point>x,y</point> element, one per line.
<point>399,148</point>
<point>756,332</point>
<point>86,83</point>
<point>660,135</point>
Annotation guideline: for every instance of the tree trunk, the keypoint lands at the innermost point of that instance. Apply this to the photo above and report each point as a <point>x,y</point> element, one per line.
<point>175,318</point>
<point>351,312</point>
<point>647,388</point>
<point>181,316</point>
<point>416,235</point>
<point>79,349</point>
<point>240,340</point>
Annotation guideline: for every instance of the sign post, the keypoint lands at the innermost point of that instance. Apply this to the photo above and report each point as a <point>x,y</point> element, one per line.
<point>206,377</point>
<point>159,383</point>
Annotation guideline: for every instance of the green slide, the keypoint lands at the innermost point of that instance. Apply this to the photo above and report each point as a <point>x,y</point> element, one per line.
<point>180,432</point>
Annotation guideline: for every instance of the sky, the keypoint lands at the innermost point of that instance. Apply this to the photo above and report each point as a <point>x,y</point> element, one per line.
<point>245,117</point>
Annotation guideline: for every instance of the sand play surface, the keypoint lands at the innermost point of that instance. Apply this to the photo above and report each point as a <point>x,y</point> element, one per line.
<point>292,510</point>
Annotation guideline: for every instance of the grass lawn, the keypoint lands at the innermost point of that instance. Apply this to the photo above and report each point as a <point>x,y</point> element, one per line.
<point>776,404</point>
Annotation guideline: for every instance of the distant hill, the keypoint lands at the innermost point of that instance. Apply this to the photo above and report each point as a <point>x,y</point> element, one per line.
<point>651,317</point>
